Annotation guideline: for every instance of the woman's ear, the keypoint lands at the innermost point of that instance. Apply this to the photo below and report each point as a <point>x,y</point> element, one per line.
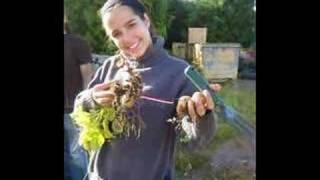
<point>146,20</point>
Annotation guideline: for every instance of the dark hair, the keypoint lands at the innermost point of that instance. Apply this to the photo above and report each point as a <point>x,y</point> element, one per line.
<point>135,5</point>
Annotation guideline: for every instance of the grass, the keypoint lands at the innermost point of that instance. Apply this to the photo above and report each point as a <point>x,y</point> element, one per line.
<point>232,174</point>
<point>242,98</point>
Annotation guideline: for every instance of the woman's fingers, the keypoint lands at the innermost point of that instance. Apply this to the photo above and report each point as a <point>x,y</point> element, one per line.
<point>199,101</point>
<point>105,101</point>
<point>215,87</point>
<point>209,101</point>
<point>102,86</point>
<point>103,95</point>
<point>195,106</point>
<point>192,111</point>
<point>182,106</point>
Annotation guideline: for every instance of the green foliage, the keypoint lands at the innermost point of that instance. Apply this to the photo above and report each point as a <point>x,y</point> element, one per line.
<point>84,20</point>
<point>95,126</point>
<point>224,133</point>
<point>238,174</point>
<point>158,10</point>
<point>226,20</point>
<point>244,100</point>
<point>186,161</point>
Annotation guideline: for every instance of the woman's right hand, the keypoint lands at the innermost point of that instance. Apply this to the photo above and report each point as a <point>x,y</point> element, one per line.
<point>103,94</point>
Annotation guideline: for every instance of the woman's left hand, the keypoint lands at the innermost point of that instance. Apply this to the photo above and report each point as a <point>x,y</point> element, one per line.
<point>195,106</point>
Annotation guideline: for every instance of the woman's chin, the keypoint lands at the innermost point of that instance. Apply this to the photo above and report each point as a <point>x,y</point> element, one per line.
<point>134,56</point>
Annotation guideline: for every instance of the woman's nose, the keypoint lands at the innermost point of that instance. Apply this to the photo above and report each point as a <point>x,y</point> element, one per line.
<point>126,39</point>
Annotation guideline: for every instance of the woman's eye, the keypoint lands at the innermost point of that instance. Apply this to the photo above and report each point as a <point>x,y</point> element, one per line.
<point>132,25</point>
<point>115,35</point>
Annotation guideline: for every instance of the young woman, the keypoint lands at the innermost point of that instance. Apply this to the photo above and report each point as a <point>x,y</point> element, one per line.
<point>151,156</point>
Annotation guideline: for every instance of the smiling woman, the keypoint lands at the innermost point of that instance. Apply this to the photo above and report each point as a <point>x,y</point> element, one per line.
<point>151,156</point>
<point>129,31</point>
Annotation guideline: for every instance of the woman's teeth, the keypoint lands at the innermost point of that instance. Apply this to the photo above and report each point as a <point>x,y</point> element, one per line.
<point>134,45</point>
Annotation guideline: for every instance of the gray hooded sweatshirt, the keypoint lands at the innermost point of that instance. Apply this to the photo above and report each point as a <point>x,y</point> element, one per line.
<point>151,156</point>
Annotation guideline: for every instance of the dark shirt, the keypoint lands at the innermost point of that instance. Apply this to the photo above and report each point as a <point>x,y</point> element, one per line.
<point>76,53</point>
<point>150,157</point>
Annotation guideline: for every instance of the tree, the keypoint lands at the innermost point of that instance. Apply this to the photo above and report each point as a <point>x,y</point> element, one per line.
<point>226,20</point>
<point>84,21</point>
<point>158,10</point>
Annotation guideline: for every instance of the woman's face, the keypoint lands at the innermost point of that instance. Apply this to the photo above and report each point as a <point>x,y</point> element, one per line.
<point>128,31</point>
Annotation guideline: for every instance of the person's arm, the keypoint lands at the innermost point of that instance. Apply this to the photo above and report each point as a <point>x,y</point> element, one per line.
<point>85,98</point>
<point>85,59</point>
<point>86,73</point>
